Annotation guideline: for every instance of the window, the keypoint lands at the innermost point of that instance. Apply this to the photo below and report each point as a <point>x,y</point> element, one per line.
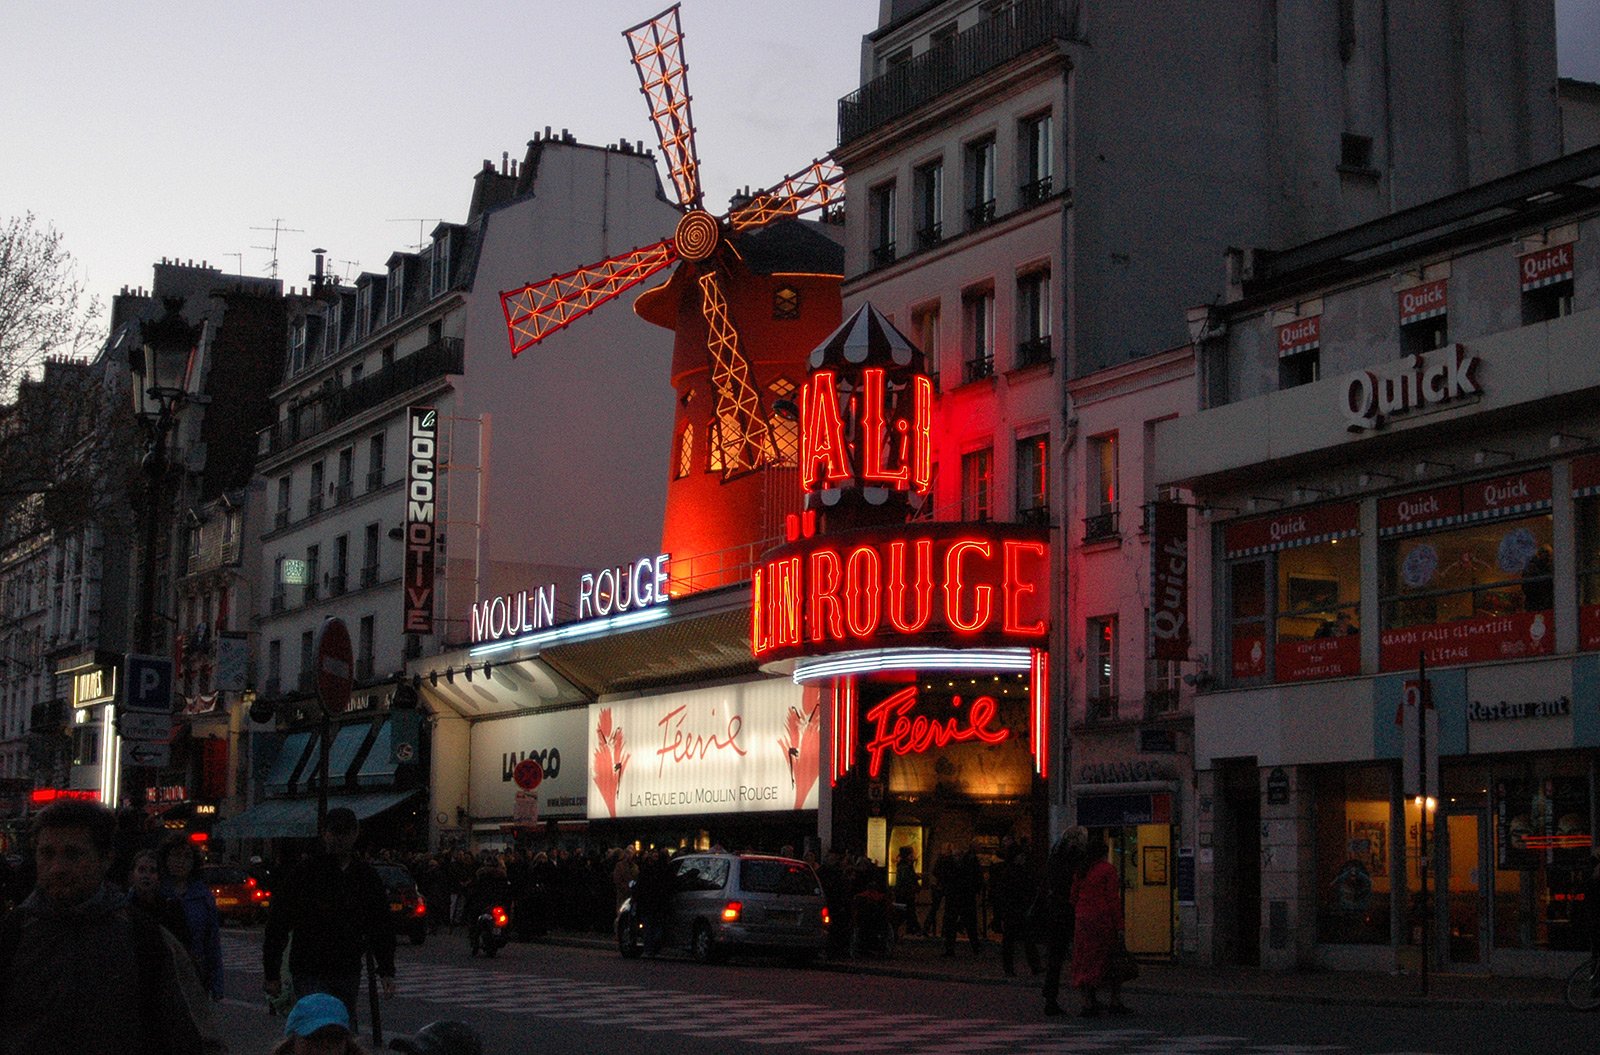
<point>369,555</point>
<point>928,187</point>
<point>880,217</point>
<point>308,672</point>
<point>333,327</point>
<point>1033,480</point>
<point>387,357</point>
<point>1423,318</point>
<point>356,371</point>
<point>685,464</point>
<point>345,486</point>
<point>1479,587</point>
<point>364,636</point>
<point>1299,369</point>
<point>341,566</point>
<point>375,459</point>
<point>1353,847</point>
<point>1100,667</point>
<point>314,496</point>
<point>714,446</point>
<point>978,307</point>
<point>277,602</point>
<point>1035,138</point>
<point>274,667</point>
<point>439,265</point>
<point>925,321</point>
<point>313,560</point>
<point>1100,502</point>
<point>1033,318</point>
<point>395,301</point>
<point>977,485</point>
<point>899,57</point>
<point>980,183</point>
<point>363,310</point>
<point>1160,687</point>
<point>281,518</point>
<point>1546,283</point>
<point>297,346</point>
<point>784,424</point>
<point>943,36</point>
<point>786,304</point>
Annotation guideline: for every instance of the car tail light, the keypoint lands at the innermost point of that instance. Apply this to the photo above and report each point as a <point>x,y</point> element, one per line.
<point>825,919</point>
<point>499,916</point>
<point>260,895</point>
<point>422,906</point>
<point>731,911</point>
<point>250,881</point>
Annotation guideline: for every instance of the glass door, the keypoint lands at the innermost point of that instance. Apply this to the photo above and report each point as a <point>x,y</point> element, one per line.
<point>1463,889</point>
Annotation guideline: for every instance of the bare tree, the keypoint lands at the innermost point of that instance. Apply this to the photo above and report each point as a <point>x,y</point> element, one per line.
<point>43,310</point>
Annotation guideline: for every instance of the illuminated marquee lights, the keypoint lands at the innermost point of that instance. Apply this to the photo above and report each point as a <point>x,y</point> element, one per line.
<point>893,445</point>
<point>844,728</point>
<point>575,631</point>
<point>1039,711</point>
<point>876,660</point>
<point>969,582</point>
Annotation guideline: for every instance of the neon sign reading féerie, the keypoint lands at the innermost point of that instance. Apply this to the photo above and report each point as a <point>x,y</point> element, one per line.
<point>962,582</point>
<point>894,729</point>
<point>871,432</point>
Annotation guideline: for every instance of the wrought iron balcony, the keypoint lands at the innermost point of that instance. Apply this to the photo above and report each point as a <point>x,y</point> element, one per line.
<point>980,214</point>
<point>336,584</point>
<point>883,255</point>
<point>1101,527</point>
<point>993,42</point>
<point>314,504</point>
<point>1031,194</point>
<point>977,369</point>
<point>369,575</point>
<point>374,479</point>
<point>1037,516</point>
<point>1032,353</point>
<point>930,237</point>
<point>343,492</point>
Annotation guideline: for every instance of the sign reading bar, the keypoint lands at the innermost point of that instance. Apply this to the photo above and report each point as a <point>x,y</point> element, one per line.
<point>422,457</point>
<point>921,584</point>
<point>1169,581</point>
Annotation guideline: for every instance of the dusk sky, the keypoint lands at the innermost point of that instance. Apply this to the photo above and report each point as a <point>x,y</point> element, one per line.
<point>142,129</point>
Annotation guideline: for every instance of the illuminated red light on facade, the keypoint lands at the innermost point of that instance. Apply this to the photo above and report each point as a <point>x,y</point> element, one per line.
<point>1039,711</point>
<point>44,796</point>
<point>894,452</point>
<point>895,729</point>
<point>843,729</point>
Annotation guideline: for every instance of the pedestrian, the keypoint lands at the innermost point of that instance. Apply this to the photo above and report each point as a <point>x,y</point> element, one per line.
<point>180,880</point>
<point>652,898</point>
<point>440,1038</point>
<point>961,892</point>
<point>836,893</point>
<point>318,1024</point>
<point>624,871</point>
<point>1011,892</point>
<point>944,867</point>
<point>334,908</point>
<point>147,899</point>
<point>906,885</point>
<point>1097,929</point>
<point>80,974</point>
<point>1054,913</point>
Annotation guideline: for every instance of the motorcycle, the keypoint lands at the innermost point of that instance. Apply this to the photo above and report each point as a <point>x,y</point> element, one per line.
<point>488,931</point>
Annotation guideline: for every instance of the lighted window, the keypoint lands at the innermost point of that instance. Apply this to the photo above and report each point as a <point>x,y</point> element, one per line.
<point>1100,501</point>
<point>1354,845</point>
<point>1036,138</point>
<point>1033,318</point>
<point>685,452</point>
<point>928,188</point>
<point>978,308</point>
<point>880,220</point>
<point>786,303</point>
<point>1100,670</point>
<point>1033,480</point>
<point>925,322</point>
<point>980,183</point>
<point>784,423</point>
<point>977,485</point>
<point>714,462</point>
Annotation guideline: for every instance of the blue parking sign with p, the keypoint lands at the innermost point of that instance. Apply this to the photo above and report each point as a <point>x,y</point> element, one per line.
<point>147,681</point>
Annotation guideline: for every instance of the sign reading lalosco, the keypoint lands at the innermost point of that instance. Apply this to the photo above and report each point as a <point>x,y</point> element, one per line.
<point>735,749</point>
<point>422,433</point>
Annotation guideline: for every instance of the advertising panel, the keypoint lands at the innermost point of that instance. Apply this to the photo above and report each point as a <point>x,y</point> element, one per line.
<point>554,739</point>
<point>422,457</point>
<point>1169,581</point>
<point>1297,527</point>
<point>732,749</point>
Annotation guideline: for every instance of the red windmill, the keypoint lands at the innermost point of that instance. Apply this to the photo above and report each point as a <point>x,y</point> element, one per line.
<point>742,272</point>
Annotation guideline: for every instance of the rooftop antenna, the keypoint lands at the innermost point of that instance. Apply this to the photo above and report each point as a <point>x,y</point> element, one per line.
<point>348,265</point>
<point>422,241</point>
<point>277,228</point>
<point>240,258</point>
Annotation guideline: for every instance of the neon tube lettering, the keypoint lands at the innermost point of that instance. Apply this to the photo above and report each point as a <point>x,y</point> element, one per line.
<point>894,731</point>
<point>826,610</point>
<point>921,587</point>
<point>875,438</point>
<point>824,460</point>
<point>954,584</point>
<point>863,591</point>
<point>1017,587</point>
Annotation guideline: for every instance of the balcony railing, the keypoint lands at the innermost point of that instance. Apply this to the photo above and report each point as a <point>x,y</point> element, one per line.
<point>1102,708</point>
<point>442,357</point>
<point>977,369</point>
<point>1100,527</point>
<point>883,255</point>
<point>1031,194</point>
<point>314,504</point>
<point>280,519</point>
<point>930,237</point>
<point>336,584</point>
<point>374,479</point>
<point>369,575</point>
<point>1032,353</point>
<point>343,492</point>
<point>1037,516</point>
<point>277,604</point>
<point>980,214</point>
<point>991,43</point>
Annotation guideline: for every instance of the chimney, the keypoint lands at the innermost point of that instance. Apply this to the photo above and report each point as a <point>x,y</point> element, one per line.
<point>505,163</point>
<point>317,278</point>
<point>547,131</point>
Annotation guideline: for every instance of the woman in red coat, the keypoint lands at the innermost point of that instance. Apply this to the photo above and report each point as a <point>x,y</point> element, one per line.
<point>1097,913</point>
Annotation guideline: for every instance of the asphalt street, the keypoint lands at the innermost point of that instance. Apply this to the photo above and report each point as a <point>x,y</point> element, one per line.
<point>560,999</point>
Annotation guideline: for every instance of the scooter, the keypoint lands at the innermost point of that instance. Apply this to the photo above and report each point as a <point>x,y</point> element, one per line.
<point>488,931</point>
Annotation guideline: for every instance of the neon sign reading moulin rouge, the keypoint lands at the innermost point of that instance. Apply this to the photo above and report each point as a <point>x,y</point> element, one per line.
<point>610,591</point>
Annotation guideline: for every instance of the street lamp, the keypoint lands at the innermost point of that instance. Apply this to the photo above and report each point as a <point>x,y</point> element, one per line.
<point>160,362</point>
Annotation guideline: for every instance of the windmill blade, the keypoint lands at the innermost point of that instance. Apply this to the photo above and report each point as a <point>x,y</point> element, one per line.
<point>657,49</point>
<point>818,186</point>
<point>539,309</point>
<point>741,427</point>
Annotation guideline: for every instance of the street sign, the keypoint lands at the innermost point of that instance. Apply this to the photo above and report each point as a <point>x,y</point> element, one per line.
<point>145,725</point>
<point>528,774</point>
<point>1419,722</point>
<point>335,665</point>
<point>144,753</point>
<point>147,680</point>
<point>526,808</point>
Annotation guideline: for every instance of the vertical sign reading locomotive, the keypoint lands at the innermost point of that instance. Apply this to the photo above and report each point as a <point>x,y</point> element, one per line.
<point>422,432</point>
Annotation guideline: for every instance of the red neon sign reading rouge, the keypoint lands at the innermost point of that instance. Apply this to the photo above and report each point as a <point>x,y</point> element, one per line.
<point>893,729</point>
<point>967,582</point>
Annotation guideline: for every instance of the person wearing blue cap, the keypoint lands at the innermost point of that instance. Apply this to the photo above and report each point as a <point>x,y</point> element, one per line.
<point>319,1024</point>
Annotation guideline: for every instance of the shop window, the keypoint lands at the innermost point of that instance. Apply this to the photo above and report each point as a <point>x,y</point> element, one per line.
<point>1100,668</point>
<point>978,305</point>
<point>1100,503</point>
<point>1356,880</point>
<point>1247,618</point>
<point>1479,586</point>
<point>977,485</point>
<point>880,219</point>
<point>927,186</point>
<point>1542,831</point>
<point>1033,480</point>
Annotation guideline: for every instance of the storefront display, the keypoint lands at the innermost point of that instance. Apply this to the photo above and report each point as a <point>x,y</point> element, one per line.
<point>1355,881</point>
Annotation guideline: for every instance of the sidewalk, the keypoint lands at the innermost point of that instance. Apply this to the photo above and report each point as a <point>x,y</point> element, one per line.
<point>923,958</point>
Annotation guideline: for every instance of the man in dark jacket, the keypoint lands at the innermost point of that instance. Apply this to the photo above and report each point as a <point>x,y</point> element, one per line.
<point>78,974</point>
<point>334,909</point>
<point>961,902</point>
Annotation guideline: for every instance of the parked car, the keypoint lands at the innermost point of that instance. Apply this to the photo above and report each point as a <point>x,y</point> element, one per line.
<point>240,897</point>
<point>726,902</point>
<point>407,908</point>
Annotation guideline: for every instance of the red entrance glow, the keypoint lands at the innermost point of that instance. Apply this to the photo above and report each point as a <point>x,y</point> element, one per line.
<point>894,731</point>
<point>863,589</point>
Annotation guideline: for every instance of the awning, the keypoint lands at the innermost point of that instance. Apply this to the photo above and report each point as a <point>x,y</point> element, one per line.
<point>377,769</point>
<point>297,818</point>
<point>283,768</point>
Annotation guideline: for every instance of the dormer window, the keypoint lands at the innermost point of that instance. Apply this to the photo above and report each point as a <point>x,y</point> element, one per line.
<point>364,310</point>
<point>396,292</point>
<point>439,265</point>
<point>297,346</point>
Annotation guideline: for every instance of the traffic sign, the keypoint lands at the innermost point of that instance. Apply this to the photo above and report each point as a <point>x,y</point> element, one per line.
<point>144,753</point>
<point>335,665</point>
<point>145,725</point>
<point>147,681</point>
<point>526,808</point>
<point>528,774</point>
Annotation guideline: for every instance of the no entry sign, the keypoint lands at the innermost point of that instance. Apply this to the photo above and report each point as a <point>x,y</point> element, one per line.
<point>334,666</point>
<point>528,774</point>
